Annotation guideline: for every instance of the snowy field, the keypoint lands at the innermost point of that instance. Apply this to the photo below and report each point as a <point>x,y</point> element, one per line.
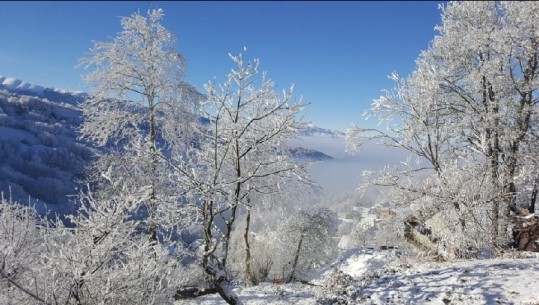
<point>380,277</point>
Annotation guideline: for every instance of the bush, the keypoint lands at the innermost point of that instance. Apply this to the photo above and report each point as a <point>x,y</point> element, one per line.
<point>337,283</point>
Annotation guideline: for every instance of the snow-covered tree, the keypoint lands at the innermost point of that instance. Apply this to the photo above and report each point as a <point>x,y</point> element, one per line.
<point>309,239</point>
<point>242,154</point>
<point>103,257</point>
<point>269,241</point>
<point>140,109</point>
<point>106,257</point>
<point>20,249</point>
<point>468,112</point>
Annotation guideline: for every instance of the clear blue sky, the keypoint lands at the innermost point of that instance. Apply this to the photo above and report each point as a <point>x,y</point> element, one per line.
<point>338,54</point>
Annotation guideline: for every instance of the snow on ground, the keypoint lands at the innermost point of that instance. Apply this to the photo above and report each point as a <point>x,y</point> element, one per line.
<point>356,263</point>
<point>494,281</point>
<point>381,277</point>
<point>265,293</point>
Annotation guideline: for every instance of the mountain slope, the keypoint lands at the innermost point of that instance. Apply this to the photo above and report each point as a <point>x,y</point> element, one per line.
<point>41,159</point>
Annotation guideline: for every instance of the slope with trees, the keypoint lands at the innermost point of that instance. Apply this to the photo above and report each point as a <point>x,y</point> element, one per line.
<point>41,159</point>
<point>468,113</point>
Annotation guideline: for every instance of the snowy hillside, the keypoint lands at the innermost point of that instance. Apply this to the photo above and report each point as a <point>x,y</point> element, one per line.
<point>40,157</point>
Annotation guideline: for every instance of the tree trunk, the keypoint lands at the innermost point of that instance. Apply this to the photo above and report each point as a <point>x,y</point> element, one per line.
<point>534,195</point>
<point>226,237</point>
<point>248,277</point>
<point>193,292</point>
<point>225,291</point>
<point>296,258</point>
<point>152,209</point>
<point>216,272</point>
<point>492,136</point>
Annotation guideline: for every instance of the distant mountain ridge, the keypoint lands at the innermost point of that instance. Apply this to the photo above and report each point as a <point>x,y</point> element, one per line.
<point>310,130</point>
<point>18,86</point>
<point>41,157</point>
<point>306,154</point>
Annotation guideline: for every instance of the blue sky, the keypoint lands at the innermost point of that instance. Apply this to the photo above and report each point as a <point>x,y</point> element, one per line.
<point>338,54</point>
